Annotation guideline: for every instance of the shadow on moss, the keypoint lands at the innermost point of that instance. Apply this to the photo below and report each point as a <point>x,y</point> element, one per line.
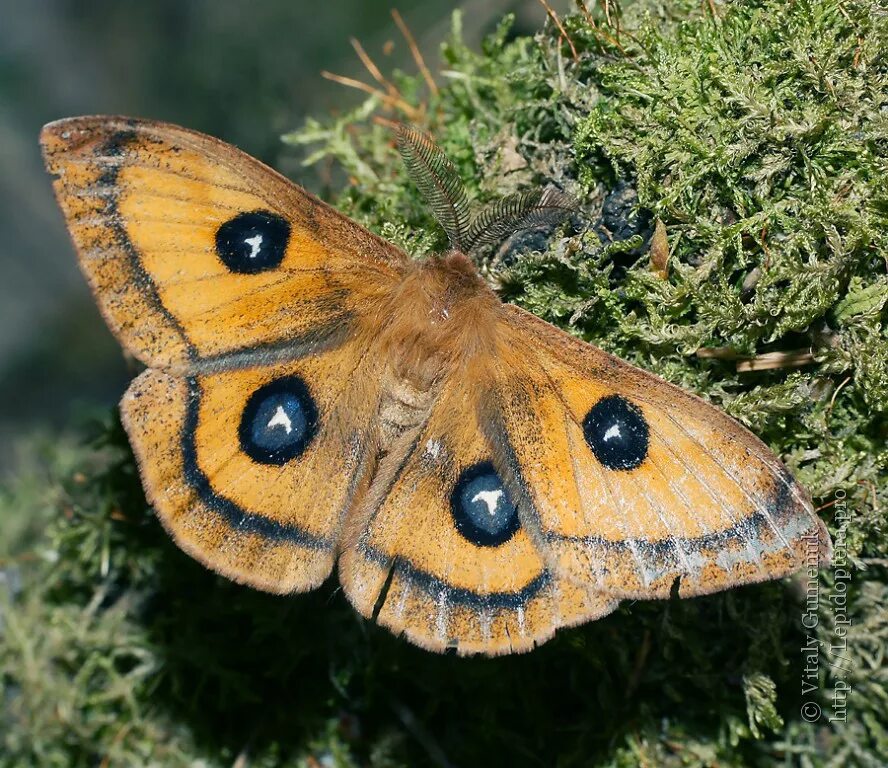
<point>280,676</point>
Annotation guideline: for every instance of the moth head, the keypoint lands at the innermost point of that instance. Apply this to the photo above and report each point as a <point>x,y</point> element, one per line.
<point>467,231</point>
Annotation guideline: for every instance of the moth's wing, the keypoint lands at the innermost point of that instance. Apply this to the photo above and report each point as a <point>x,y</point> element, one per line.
<point>251,470</point>
<point>201,256</point>
<point>629,483</point>
<point>437,553</point>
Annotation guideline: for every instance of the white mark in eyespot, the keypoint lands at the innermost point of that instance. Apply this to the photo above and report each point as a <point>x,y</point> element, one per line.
<point>280,419</point>
<point>255,243</point>
<point>490,498</point>
<point>613,431</point>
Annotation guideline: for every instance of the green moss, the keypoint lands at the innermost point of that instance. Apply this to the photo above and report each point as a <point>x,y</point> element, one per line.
<point>758,138</point>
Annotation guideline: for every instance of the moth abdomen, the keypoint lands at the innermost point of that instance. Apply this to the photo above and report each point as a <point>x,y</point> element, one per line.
<point>403,407</point>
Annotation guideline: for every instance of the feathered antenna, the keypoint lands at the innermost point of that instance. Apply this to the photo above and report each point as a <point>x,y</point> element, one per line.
<point>438,181</point>
<point>512,213</point>
<point>440,185</point>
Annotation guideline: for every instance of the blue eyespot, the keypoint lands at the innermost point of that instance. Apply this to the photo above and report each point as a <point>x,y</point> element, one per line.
<point>278,422</point>
<point>253,242</point>
<point>482,510</point>
<point>617,433</point>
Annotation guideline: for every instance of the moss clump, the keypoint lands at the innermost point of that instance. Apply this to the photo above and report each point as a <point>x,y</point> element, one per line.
<point>756,138</point>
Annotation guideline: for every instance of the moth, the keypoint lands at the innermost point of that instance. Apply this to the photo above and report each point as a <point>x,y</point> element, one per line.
<point>314,398</point>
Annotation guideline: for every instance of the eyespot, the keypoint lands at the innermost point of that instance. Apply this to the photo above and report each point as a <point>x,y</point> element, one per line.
<point>482,510</point>
<point>253,242</point>
<point>617,433</point>
<point>279,421</point>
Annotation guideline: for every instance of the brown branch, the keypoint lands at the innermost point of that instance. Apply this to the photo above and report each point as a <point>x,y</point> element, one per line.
<point>584,9</point>
<point>832,400</point>
<point>385,122</point>
<point>371,67</point>
<point>415,52</point>
<point>386,98</point>
<point>764,362</point>
<point>564,35</point>
<point>771,360</point>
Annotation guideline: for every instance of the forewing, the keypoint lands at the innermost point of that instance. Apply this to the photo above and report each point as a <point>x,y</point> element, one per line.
<point>201,257</point>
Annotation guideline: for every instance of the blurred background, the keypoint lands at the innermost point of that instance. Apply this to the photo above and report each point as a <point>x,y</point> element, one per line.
<point>245,72</point>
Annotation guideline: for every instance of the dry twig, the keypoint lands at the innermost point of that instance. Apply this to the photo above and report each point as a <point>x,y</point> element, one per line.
<point>415,52</point>
<point>561,29</point>
<point>773,360</point>
<point>393,101</point>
